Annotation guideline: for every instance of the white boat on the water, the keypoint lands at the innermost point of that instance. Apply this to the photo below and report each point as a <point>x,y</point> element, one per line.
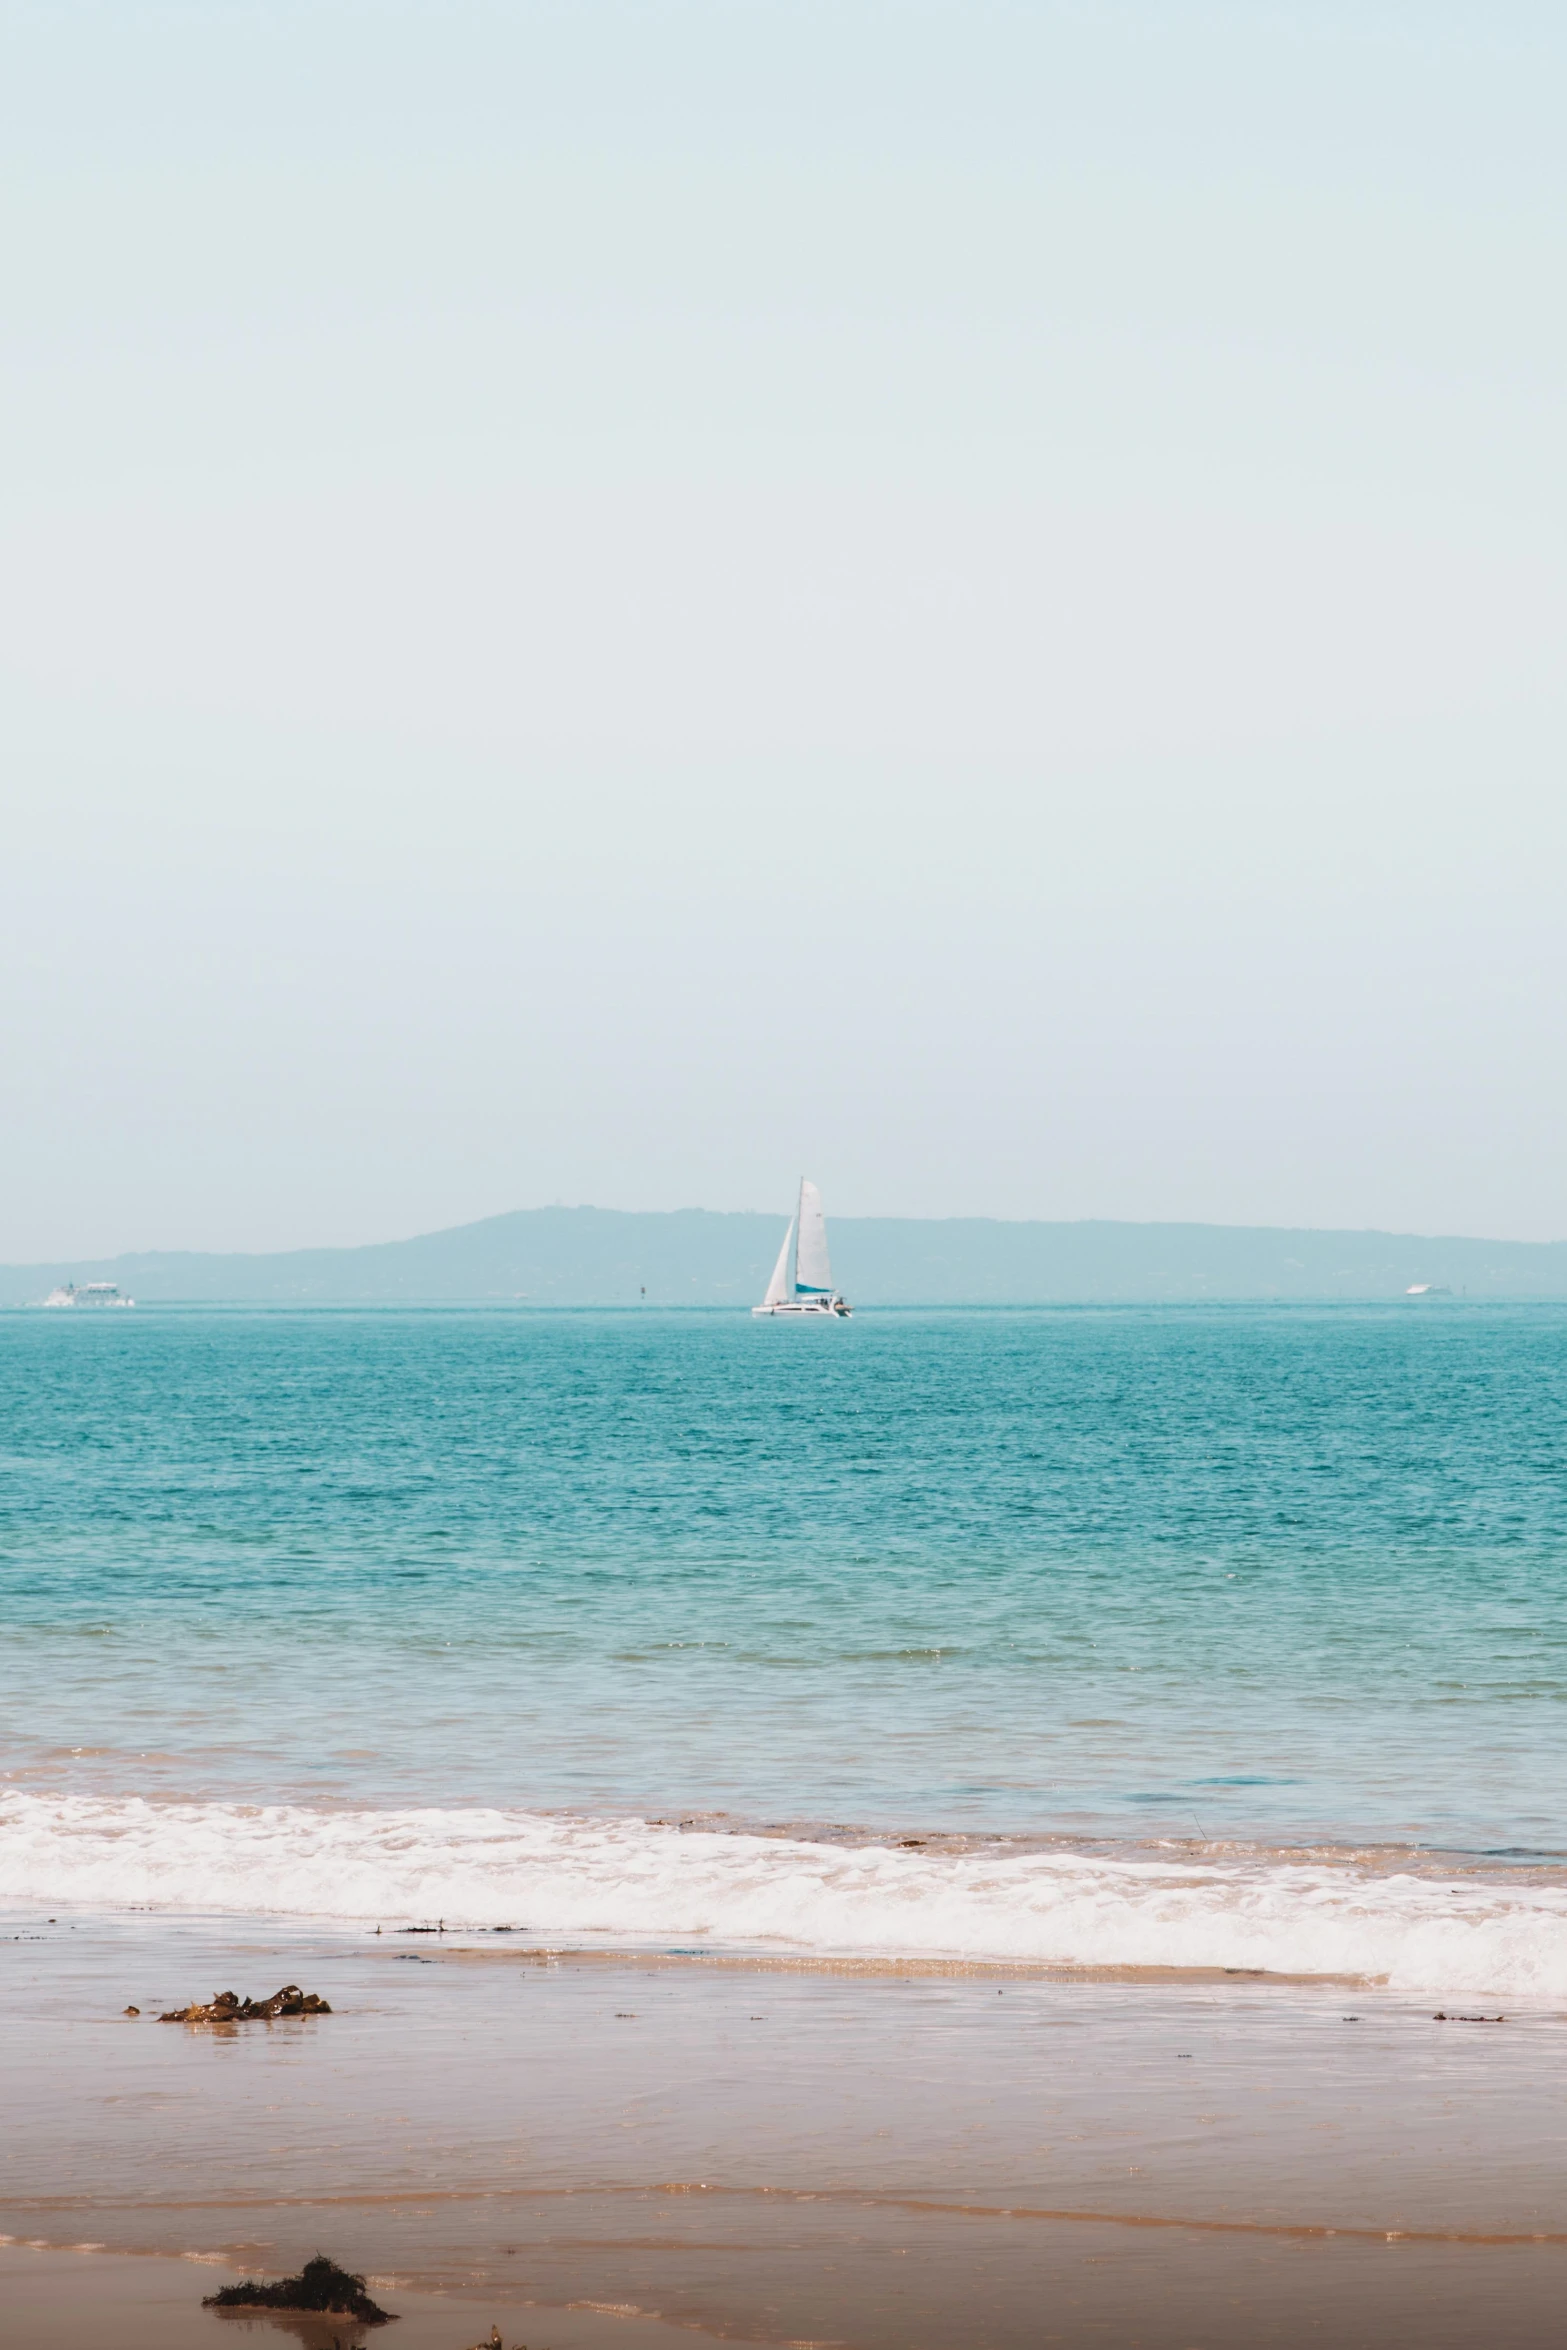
<point>802,1277</point>
<point>91,1293</point>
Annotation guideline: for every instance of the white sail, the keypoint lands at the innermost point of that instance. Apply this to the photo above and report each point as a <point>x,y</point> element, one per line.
<point>812,1272</point>
<point>780,1285</point>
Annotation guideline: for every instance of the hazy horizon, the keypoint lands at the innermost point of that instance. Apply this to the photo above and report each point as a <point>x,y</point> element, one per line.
<point>779,1218</point>
<point>611,602</point>
<point>590,1256</point>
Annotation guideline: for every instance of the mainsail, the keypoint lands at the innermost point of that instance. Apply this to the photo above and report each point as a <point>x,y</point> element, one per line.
<point>812,1273</point>
<point>780,1286</point>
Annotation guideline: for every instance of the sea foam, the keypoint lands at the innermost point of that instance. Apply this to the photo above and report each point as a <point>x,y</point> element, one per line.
<point>637,1881</point>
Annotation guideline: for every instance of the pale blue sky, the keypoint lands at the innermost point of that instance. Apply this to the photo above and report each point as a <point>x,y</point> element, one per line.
<point>606,601</point>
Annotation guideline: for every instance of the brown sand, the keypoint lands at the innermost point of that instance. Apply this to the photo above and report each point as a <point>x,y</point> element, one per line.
<point>924,2287</point>
<point>107,2301</point>
<point>779,2155</point>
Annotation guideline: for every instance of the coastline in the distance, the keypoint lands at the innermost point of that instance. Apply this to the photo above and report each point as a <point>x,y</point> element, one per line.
<point>694,1256</point>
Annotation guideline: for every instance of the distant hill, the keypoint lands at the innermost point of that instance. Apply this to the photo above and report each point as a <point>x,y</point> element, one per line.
<point>600,1256</point>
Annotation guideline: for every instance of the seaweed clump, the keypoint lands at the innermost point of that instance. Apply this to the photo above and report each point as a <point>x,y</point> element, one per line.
<point>229,2008</point>
<point>320,2286</point>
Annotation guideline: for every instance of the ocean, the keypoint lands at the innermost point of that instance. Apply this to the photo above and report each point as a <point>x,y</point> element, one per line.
<point>1107,1638</point>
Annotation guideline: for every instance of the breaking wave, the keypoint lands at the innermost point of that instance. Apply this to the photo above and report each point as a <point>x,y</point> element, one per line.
<point>638,1881</point>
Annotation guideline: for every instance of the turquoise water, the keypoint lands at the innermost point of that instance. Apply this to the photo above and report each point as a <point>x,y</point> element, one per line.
<point>1253,1574</point>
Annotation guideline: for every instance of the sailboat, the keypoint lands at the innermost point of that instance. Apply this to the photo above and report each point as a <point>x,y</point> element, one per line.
<point>802,1277</point>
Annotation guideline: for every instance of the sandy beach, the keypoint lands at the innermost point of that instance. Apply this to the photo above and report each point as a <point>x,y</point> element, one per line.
<point>765,2153</point>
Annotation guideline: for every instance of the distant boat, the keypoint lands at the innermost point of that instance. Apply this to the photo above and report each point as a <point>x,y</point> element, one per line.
<point>802,1277</point>
<point>91,1293</point>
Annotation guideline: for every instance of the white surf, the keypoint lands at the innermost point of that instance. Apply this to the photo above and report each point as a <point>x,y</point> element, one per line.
<point>631,1880</point>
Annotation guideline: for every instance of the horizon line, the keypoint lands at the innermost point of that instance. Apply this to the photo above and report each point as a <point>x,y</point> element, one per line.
<point>774,1216</point>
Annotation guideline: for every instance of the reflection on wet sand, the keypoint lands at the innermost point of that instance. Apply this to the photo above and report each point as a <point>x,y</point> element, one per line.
<point>883,2158</point>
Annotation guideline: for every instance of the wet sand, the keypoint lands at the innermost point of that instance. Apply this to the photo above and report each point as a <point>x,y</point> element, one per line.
<point>1076,2287</point>
<point>53,2300</point>
<point>771,2153</point>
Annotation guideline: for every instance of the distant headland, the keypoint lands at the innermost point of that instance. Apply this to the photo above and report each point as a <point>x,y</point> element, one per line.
<point>698,1257</point>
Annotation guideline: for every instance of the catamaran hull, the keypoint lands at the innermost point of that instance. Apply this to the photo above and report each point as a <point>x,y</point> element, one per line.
<point>814,1309</point>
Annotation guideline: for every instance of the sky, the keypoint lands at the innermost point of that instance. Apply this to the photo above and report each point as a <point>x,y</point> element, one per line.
<point>615,601</point>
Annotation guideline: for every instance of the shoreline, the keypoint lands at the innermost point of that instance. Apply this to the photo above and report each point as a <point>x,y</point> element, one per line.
<point>460,1945</point>
<point>547,1882</point>
<point>784,2151</point>
<point>892,1968</point>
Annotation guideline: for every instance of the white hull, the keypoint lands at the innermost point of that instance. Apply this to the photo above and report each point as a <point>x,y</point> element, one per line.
<point>816,1309</point>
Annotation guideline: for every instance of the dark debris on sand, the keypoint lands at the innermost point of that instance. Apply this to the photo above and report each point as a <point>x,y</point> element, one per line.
<point>229,2008</point>
<point>321,2286</point>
